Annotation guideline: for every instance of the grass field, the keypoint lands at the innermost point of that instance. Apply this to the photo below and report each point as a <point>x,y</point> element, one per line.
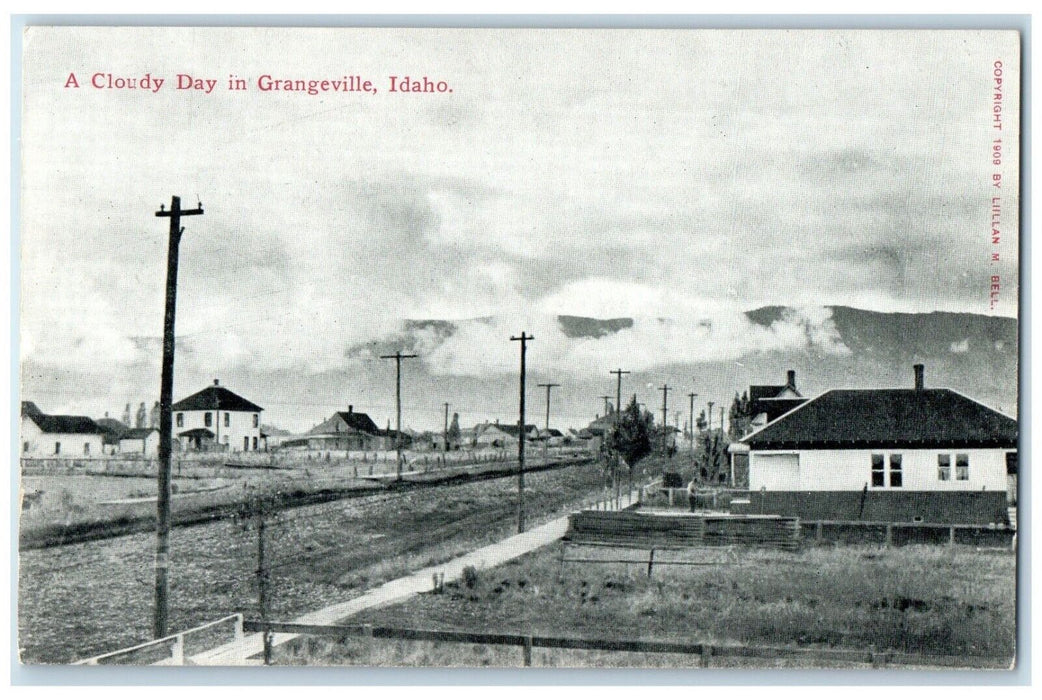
<point>917,600</point>
<point>88,598</point>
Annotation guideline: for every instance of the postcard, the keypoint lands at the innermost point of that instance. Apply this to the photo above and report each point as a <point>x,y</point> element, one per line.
<point>546,348</point>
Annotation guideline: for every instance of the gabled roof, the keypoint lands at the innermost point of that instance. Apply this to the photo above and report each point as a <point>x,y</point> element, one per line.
<point>511,428</point>
<point>112,426</point>
<point>359,421</point>
<point>765,391</point>
<point>69,425</point>
<point>888,418</point>
<point>138,433</point>
<point>216,397</point>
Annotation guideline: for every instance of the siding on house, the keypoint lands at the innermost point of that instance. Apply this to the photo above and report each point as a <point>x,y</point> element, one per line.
<point>235,421</point>
<point>932,455</point>
<point>36,443</point>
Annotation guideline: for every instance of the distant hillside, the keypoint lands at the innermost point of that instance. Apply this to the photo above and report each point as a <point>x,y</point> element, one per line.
<point>583,327</point>
<point>903,335</point>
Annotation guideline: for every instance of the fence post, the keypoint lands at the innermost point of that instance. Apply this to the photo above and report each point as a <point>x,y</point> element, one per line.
<point>707,654</point>
<point>651,560</point>
<point>889,535</point>
<point>951,536</point>
<point>178,650</point>
<point>526,651</point>
<point>818,532</point>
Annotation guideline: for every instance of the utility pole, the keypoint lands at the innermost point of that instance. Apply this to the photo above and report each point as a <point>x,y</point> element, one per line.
<point>709,429</point>
<point>691,427</point>
<point>398,357</point>
<point>606,404</point>
<point>262,581</point>
<point>618,412</point>
<point>665,417</point>
<point>166,400</point>
<point>546,443</point>
<point>721,421</point>
<point>446,432</point>
<point>523,338</point>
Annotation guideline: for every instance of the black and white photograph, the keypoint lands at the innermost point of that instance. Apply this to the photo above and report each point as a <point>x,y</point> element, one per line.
<point>525,348</point>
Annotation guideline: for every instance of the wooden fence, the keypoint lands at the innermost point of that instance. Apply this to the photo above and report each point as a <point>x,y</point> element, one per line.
<point>900,533</point>
<point>706,652</point>
<point>170,649</point>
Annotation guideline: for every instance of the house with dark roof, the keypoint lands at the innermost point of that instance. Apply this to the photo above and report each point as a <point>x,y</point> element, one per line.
<point>348,430</point>
<point>890,455</point>
<point>142,441</point>
<point>112,430</point>
<point>45,435</point>
<point>770,401</point>
<point>216,418</point>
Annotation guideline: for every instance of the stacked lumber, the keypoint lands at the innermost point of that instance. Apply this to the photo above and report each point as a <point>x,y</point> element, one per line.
<point>643,529</point>
<point>760,531</point>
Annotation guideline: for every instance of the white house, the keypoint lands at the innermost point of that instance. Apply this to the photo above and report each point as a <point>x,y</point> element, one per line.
<point>501,434</point>
<point>893,455</point>
<point>142,441</point>
<point>217,416</point>
<point>59,436</point>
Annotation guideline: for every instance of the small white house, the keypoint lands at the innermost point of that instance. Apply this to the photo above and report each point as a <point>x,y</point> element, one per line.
<point>73,437</point>
<point>502,434</point>
<point>142,441</point>
<point>891,455</point>
<point>216,418</point>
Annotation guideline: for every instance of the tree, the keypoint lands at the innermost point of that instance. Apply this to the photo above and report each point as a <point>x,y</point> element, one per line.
<point>631,438</point>
<point>740,414</point>
<point>453,437</point>
<point>701,423</point>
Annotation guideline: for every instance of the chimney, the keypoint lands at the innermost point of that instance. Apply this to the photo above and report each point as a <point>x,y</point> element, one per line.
<point>216,382</point>
<point>792,379</point>
<point>918,377</point>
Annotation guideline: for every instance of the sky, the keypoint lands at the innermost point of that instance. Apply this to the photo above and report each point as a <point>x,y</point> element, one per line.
<point>679,178</point>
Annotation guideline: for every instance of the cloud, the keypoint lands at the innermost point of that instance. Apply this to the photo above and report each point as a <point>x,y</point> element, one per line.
<point>482,347</point>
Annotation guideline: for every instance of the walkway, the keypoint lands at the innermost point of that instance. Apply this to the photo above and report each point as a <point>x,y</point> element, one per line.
<point>422,581</point>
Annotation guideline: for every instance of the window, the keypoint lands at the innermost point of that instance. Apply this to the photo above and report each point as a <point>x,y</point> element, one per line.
<point>86,448</point>
<point>944,467</point>
<point>25,447</point>
<point>57,448</point>
<point>256,420</point>
<point>895,471</point>
<point>245,443</point>
<point>208,419</point>
<point>227,419</point>
<point>962,467</point>
<point>878,474</point>
<point>254,443</point>
<point>180,420</point>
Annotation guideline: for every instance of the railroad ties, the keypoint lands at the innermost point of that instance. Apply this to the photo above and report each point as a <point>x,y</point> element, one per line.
<point>642,529</point>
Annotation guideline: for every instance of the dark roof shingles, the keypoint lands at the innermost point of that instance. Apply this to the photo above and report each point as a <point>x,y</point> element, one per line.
<point>216,398</point>
<point>898,418</point>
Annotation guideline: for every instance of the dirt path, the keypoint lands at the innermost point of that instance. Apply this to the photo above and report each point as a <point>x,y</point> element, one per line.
<point>399,589</point>
<point>88,598</point>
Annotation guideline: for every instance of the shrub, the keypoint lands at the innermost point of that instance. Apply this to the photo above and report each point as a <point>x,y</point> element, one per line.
<point>470,576</point>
